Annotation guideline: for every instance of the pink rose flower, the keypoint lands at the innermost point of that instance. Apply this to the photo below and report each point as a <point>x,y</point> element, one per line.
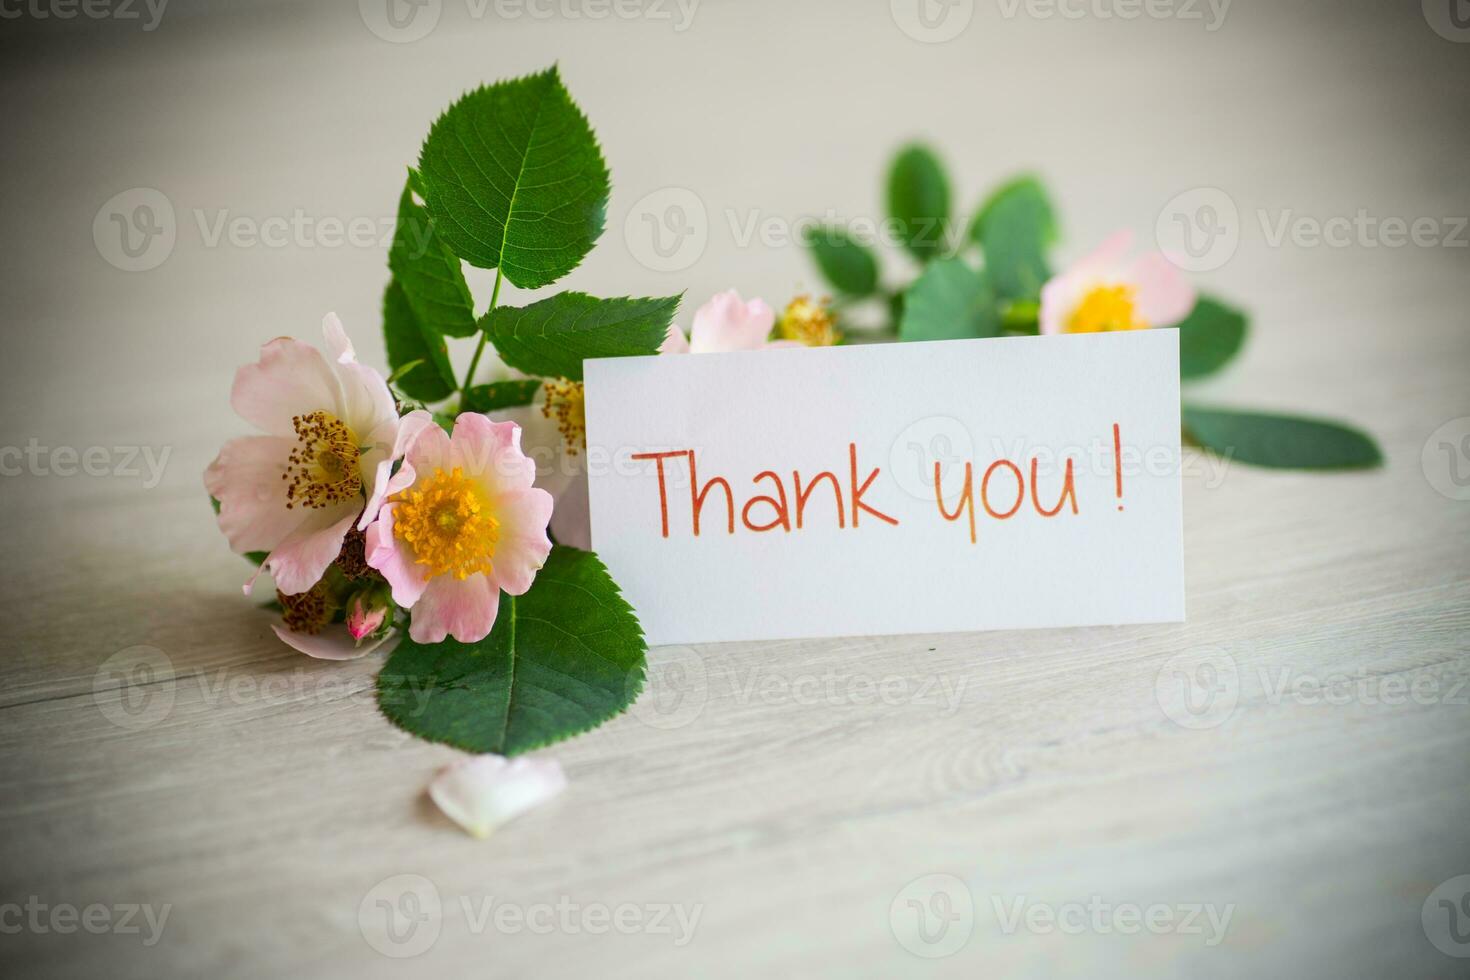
<point>329,431</point>
<point>462,523</point>
<point>725,323</point>
<point>1106,291</point>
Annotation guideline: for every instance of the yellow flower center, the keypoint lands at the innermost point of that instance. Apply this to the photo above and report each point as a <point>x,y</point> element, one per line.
<point>322,469</point>
<point>1106,308</point>
<point>447,521</point>
<point>808,323</point>
<point>566,402</point>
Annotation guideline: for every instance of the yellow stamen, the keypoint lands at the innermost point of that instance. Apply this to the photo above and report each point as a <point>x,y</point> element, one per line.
<point>566,402</point>
<point>446,519</point>
<point>1106,308</point>
<point>322,469</point>
<point>808,322</point>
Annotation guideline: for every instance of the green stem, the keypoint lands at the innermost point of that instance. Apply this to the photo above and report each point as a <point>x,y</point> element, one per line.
<point>1020,315</point>
<point>480,348</point>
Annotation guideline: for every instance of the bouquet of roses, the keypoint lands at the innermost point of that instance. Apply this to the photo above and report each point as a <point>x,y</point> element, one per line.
<point>449,517</point>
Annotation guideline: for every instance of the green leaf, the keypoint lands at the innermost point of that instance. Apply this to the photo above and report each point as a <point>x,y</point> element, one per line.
<point>1281,441</point>
<point>500,394</point>
<point>561,660</point>
<point>849,266</point>
<point>1021,316</point>
<point>1014,229</point>
<point>514,179</point>
<point>1209,337</point>
<point>918,200</point>
<point>552,338</point>
<point>407,341</point>
<point>949,301</point>
<point>429,273</point>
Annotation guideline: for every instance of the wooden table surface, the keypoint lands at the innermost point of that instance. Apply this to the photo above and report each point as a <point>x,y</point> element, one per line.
<point>860,807</point>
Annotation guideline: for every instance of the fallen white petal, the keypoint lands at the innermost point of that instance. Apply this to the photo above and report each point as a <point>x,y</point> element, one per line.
<point>333,643</point>
<point>484,791</point>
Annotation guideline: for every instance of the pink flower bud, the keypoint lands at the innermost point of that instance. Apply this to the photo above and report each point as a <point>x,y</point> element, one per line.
<point>365,615</point>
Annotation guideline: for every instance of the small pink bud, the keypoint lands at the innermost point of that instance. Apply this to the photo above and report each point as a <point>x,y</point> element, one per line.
<point>365,616</point>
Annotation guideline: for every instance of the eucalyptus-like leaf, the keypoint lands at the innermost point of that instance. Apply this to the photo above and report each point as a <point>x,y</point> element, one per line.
<point>949,301</point>
<point>514,179</point>
<point>499,394</point>
<point>848,265</point>
<point>918,200</point>
<point>1209,337</point>
<point>1281,441</point>
<point>552,337</point>
<point>431,379</point>
<point>561,660</point>
<point>1015,228</point>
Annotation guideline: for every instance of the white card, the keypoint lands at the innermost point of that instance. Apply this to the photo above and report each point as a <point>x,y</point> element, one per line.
<point>897,557</point>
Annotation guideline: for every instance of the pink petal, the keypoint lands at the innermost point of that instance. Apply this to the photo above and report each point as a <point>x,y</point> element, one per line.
<point>763,317</point>
<point>246,480</point>
<point>462,608</point>
<point>1058,299</point>
<point>291,378</point>
<point>483,792</point>
<point>339,346</point>
<point>542,442</point>
<point>385,482</point>
<point>395,560</point>
<point>299,562</point>
<point>1107,260</point>
<point>1164,295</point>
<point>367,405</point>
<point>332,643</point>
<point>491,451</point>
<point>571,518</point>
<point>523,544</point>
<point>429,451</point>
<point>727,323</point>
<point>674,341</point>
